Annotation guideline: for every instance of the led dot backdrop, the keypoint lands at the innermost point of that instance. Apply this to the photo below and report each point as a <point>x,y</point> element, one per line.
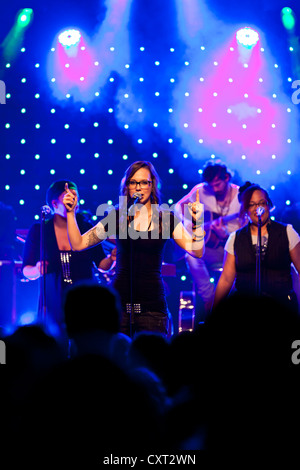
<point>162,81</point>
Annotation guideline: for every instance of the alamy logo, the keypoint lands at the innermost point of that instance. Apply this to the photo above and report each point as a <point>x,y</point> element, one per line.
<point>296,94</point>
<point>159,212</point>
<point>2,92</point>
<point>2,352</point>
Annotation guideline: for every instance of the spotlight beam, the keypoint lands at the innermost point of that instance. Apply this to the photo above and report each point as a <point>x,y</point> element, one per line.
<point>12,43</point>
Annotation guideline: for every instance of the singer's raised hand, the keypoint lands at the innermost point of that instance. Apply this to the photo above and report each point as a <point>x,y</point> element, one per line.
<point>196,208</point>
<point>70,199</point>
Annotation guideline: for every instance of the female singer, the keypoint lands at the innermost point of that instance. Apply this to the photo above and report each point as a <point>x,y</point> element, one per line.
<point>63,268</point>
<point>280,246</point>
<point>142,231</point>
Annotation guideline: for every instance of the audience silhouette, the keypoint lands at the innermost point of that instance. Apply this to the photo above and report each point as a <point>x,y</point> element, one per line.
<point>92,317</point>
<point>230,384</point>
<point>251,382</point>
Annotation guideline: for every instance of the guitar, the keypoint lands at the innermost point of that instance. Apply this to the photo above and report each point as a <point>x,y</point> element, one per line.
<point>211,238</point>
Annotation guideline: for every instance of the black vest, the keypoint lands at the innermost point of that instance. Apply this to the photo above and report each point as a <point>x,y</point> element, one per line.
<point>276,279</point>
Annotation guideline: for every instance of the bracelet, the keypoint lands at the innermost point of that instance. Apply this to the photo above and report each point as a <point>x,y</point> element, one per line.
<point>199,238</point>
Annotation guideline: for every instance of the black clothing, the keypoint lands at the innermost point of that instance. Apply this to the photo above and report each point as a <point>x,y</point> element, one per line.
<point>65,268</point>
<point>138,277</point>
<point>276,279</point>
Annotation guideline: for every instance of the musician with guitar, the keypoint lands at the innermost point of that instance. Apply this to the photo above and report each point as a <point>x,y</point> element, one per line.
<point>221,217</point>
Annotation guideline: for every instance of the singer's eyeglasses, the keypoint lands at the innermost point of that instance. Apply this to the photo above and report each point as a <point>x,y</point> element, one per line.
<point>254,205</point>
<point>132,184</point>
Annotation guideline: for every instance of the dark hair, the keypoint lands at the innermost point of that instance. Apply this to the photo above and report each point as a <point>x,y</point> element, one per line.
<point>89,307</point>
<point>213,169</point>
<point>132,169</point>
<point>245,195</point>
<point>56,189</point>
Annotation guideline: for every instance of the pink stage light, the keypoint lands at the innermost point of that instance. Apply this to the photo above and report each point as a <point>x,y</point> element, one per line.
<point>72,64</point>
<point>230,111</point>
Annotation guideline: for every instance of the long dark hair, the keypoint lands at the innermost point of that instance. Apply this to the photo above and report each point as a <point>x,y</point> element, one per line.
<point>132,169</point>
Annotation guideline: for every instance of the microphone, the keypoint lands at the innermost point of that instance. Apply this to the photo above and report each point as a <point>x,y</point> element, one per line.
<point>46,209</point>
<point>260,211</point>
<point>136,197</point>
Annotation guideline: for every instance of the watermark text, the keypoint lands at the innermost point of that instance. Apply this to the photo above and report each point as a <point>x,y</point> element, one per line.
<point>127,217</point>
<point>2,92</point>
<point>2,352</point>
<point>296,94</point>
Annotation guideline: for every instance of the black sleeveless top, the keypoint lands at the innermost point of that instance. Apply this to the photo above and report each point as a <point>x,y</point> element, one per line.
<point>139,259</point>
<point>276,279</point>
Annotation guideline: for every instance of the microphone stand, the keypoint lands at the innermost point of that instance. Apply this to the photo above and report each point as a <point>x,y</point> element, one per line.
<point>131,313</point>
<point>136,198</point>
<point>258,257</point>
<point>42,300</point>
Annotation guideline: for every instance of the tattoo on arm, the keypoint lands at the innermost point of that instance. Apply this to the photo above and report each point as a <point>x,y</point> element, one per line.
<point>92,238</point>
